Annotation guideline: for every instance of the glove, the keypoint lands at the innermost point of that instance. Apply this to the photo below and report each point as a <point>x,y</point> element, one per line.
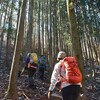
<point>49,94</point>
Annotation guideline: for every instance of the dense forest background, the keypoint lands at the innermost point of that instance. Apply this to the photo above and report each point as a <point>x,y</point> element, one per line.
<point>46,27</point>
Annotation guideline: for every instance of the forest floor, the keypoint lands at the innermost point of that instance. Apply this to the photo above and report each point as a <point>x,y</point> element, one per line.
<point>24,92</point>
<point>40,93</point>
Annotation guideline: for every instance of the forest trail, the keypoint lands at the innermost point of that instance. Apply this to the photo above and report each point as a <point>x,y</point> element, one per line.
<point>40,93</point>
<point>24,92</point>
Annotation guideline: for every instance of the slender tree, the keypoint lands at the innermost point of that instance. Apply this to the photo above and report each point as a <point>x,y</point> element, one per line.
<point>12,86</point>
<point>30,27</point>
<point>39,36</point>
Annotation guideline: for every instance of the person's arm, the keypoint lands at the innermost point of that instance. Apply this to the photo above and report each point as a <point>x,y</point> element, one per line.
<point>54,78</point>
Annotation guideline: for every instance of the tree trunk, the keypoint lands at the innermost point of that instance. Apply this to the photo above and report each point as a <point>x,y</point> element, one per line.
<point>30,29</point>
<point>12,86</point>
<point>75,37</point>
<point>39,37</point>
<point>50,38</point>
<point>3,26</point>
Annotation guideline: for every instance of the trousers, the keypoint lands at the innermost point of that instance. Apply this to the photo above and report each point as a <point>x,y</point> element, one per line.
<point>31,72</point>
<point>71,92</point>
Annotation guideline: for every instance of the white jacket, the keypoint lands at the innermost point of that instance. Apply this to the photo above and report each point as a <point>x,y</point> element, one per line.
<point>56,77</point>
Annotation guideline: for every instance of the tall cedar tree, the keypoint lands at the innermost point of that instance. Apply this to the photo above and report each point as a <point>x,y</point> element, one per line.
<point>12,86</point>
<point>75,36</point>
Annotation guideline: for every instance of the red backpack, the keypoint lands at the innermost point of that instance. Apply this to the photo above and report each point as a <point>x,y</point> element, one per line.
<point>73,74</point>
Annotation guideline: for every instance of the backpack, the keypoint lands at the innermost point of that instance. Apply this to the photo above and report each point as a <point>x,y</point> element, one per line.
<point>33,58</point>
<point>73,74</point>
<point>42,60</point>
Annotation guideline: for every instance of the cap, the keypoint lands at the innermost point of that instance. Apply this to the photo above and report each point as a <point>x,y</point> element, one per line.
<point>61,54</point>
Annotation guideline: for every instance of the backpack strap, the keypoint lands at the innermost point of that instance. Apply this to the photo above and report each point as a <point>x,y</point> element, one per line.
<point>62,77</point>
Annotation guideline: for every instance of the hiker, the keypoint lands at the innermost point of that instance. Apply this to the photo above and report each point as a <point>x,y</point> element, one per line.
<point>21,65</point>
<point>32,67</point>
<point>69,91</point>
<point>42,64</point>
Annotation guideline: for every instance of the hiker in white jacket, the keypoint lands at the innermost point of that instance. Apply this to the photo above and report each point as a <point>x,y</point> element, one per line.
<point>69,91</point>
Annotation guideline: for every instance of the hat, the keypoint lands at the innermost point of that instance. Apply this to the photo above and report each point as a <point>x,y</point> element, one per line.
<point>61,54</point>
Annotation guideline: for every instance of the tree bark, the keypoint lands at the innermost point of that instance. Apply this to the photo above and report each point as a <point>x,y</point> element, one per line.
<point>12,86</point>
<point>75,37</point>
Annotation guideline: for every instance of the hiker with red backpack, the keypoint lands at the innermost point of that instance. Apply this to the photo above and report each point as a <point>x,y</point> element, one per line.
<point>67,72</point>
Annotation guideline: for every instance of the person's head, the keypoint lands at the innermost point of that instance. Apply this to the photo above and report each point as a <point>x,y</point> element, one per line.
<point>61,55</point>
